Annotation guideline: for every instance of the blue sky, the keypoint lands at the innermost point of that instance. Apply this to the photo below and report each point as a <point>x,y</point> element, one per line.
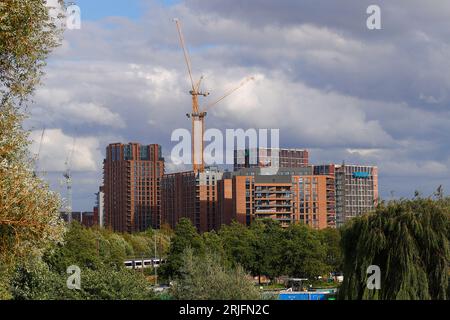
<point>92,10</point>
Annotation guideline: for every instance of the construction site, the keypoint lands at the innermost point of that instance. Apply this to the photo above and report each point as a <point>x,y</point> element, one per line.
<point>138,194</point>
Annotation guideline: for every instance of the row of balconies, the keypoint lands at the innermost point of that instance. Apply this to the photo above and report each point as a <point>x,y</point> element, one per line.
<point>273,204</point>
<point>272,189</point>
<point>272,210</point>
<point>273,198</point>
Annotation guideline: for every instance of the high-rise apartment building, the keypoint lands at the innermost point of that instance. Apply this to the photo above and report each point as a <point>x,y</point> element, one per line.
<point>178,194</point>
<point>225,213</point>
<point>293,195</point>
<point>262,157</point>
<point>356,189</point>
<point>191,195</point>
<point>137,194</point>
<point>132,178</point>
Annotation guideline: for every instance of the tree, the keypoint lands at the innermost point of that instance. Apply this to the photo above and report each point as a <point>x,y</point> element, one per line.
<point>118,249</point>
<point>29,212</point>
<point>144,243</point>
<point>98,253</point>
<point>140,245</point>
<point>111,284</point>
<point>409,241</point>
<point>27,37</point>
<point>213,242</point>
<point>78,248</point>
<point>237,241</point>
<point>331,238</point>
<point>304,253</point>
<point>186,236</point>
<point>40,283</point>
<point>267,245</point>
<point>36,282</point>
<point>204,277</point>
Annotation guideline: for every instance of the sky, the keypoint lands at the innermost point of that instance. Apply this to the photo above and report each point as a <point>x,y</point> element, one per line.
<point>346,93</point>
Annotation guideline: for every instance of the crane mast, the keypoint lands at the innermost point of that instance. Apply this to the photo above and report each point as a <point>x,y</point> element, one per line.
<point>68,182</point>
<point>37,157</point>
<point>197,116</point>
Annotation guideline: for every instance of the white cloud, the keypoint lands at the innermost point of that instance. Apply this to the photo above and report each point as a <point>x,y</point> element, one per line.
<point>408,168</point>
<point>92,113</point>
<point>57,146</point>
<point>322,118</point>
<point>364,152</point>
<point>61,104</point>
<point>329,85</point>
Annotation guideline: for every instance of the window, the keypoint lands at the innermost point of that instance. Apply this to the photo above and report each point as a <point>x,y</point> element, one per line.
<point>127,152</point>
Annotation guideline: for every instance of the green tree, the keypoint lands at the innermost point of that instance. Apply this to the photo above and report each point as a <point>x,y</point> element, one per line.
<point>78,248</point>
<point>143,244</point>
<point>304,253</point>
<point>204,277</point>
<point>213,243</point>
<point>186,236</point>
<point>267,245</point>
<point>36,282</point>
<point>140,245</point>
<point>105,283</point>
<point>27,36</point>
<point>409,241</point>
<point>331,238</point>
<point>118,249</point>
<point>108,283</point>
<point>237,241</point>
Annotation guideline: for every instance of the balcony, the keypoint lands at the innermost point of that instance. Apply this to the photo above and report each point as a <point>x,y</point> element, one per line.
<point>273,197</point>
<point>272,211</point>
<point>278,205</point>
<point>287,192</point>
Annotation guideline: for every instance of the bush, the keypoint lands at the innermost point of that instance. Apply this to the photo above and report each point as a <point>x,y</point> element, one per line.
<point>204,277</point>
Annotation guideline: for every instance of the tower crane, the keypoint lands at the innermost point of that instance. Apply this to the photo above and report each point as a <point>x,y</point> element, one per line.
<point>38,155</point>
<point>198,115</point>
<point>68,182</point>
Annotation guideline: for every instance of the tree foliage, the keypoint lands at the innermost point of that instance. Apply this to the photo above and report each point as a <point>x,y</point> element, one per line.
<point>304,253</point>
<point>93,248</point>
<point>409,241</point>
<point>185,236</point>
<point>29,212</point>
<point>100,255</point>
<point>106,283</point>
<point>331,238</point>
<point>204,277</point>
<point>267,245</point>
<point>238,241</point>
<point>38,282</point>
<point>263,249</point>
<point>27,36</point>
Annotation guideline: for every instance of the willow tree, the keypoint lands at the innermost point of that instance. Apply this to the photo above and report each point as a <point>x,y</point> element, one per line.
<point>409,241</point>
<point>29,218</point>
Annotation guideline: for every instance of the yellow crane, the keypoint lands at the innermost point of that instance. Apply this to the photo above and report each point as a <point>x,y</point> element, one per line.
<point>198,116</point>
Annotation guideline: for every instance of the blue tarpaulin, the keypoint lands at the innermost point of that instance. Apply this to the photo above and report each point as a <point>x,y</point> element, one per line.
<point>303,296</point>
